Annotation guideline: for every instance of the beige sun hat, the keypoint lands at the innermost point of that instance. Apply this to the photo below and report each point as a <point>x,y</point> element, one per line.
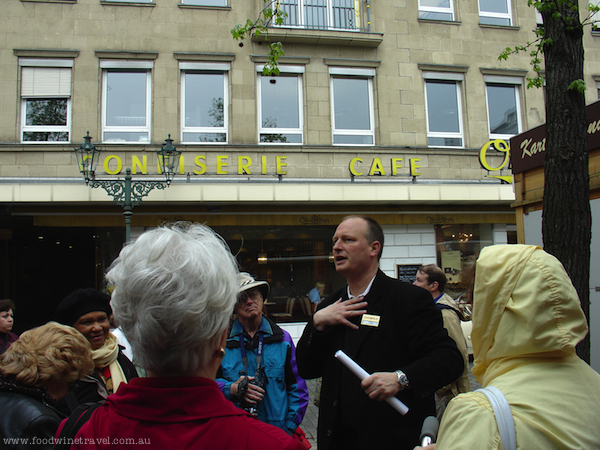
<point>248,282</point>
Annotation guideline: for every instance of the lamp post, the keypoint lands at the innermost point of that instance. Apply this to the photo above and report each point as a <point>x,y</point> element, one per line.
<point>126,193</point>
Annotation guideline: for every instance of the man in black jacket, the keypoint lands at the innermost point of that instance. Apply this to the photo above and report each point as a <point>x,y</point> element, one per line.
<point>390,328</point>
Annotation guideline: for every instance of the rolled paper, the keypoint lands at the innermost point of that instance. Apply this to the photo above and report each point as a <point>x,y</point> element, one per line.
<point>362,374</point>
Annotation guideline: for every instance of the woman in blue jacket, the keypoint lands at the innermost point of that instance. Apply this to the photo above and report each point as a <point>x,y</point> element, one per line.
<point>259,372</point>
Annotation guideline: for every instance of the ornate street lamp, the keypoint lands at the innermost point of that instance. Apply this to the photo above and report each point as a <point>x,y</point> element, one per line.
<point>168,159</point>
<point>127,193</point>
<point>87,158</point>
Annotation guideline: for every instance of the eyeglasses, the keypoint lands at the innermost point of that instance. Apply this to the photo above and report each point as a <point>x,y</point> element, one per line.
<point>253,295</point>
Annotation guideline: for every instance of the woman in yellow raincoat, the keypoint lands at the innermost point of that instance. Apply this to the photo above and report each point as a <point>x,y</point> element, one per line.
<point>527,321</point>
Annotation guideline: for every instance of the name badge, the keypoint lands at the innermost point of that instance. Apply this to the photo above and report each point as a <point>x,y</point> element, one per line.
<point>370,320</point>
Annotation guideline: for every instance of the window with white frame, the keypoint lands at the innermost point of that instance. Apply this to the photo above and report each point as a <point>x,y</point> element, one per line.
<point>204,102</point>
<point>495,12</point>
<point>45,100</point>
<point>205,2</point>
<point>352,111</point>
<point>322,14</point>
<point>280,113</point>
<point>503,104</point>
<point>595,17</point>
<point>436,9</point>
<point>444,109</point>
<point>126,101</point>
<point>539,20</point>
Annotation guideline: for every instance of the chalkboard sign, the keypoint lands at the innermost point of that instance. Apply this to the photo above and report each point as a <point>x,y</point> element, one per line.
<point>407,272</point>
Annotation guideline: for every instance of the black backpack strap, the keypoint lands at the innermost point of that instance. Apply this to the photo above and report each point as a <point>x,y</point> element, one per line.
<point>440,307</point>
<point>78,417</point>
<point>71,401</point>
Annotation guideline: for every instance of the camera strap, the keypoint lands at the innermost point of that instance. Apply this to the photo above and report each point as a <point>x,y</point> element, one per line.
<point>258,353</point>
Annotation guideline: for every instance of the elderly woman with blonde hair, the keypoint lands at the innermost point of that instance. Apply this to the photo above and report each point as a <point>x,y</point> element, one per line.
<point>36,371</point>
<point>174,292</point>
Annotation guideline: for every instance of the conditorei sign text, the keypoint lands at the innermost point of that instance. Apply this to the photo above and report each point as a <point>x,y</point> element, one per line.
<point>245,165</point>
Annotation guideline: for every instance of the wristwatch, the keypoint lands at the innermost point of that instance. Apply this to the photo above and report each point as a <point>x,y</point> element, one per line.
<point>402,379</point>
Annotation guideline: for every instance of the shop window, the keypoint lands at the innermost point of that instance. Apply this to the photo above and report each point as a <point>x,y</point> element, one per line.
<point>45,100</point>
<point>292,259</point>
<point>503,105</point>
<point>322,14</point>
<point>436,9</point>
<point>495,12</point>
<point>280,106</point>
<point>204,102</point>
<point>352,106</point>
<point>456,244</point>
<point>444,109</point>
<point>126,101</point>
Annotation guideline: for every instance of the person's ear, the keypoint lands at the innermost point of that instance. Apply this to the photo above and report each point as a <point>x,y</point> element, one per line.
<point>375,247</point>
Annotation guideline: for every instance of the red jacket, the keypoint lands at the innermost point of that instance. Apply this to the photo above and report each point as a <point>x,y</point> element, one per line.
<point>181,413</point>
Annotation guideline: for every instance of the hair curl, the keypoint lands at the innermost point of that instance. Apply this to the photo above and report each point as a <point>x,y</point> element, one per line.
<point>174,291</point>
<point>52,352</point>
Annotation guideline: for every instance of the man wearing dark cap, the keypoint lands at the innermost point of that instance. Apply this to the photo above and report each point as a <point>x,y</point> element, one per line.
<point>258,372</point>
<point>87,310</point>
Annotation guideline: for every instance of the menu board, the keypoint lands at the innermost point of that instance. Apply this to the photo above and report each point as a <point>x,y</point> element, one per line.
<point>407,272</point>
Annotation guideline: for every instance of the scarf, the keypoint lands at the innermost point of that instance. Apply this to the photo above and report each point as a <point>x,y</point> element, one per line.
<point>106,358</point>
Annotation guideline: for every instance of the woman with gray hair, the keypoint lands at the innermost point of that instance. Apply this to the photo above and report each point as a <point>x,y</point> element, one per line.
<point>174,291</point>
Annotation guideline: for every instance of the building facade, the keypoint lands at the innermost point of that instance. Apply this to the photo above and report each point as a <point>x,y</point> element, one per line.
<point>398,109</point>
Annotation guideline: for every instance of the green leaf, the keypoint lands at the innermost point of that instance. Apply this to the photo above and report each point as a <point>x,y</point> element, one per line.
<point>578,85</point>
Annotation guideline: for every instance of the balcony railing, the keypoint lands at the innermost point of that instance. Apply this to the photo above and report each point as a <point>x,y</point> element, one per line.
<point>348,15</point>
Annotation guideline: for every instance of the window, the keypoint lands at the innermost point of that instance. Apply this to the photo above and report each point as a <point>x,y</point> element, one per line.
<point>455,244</point>
<point>436,9</point>
<point>126,101</point>
<point>205,2</point>
<point>539,20</point>
<point>45,100</point>
<point>444,109</point>
<point>495,12</point>
<point>595,17</point>
<point>352,106</point>
<point>204,102</point>
<point>294,257</point>
<point>504,112</point>
<point>322,14</point>
<point>280,106</point>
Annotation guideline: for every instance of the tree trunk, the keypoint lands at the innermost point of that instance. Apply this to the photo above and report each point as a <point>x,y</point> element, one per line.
<point>566,218</point>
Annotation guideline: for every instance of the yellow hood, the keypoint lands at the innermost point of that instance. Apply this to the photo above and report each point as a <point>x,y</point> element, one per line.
<point>525,306</point>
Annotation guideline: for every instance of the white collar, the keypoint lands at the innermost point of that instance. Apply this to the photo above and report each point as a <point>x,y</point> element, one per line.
<point>364,294</point>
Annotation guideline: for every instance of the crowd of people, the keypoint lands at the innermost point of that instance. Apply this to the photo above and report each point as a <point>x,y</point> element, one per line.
<point>218,373</point>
